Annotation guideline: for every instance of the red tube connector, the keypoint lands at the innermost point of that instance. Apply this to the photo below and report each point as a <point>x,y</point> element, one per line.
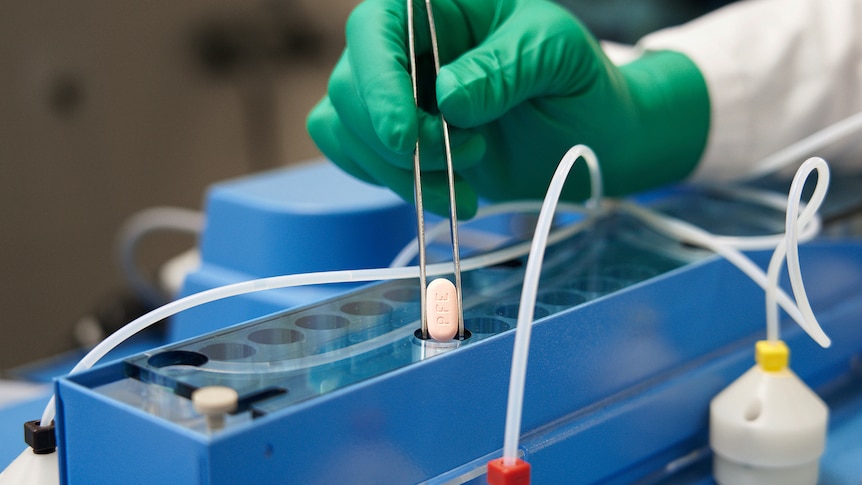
<point>502,474</point>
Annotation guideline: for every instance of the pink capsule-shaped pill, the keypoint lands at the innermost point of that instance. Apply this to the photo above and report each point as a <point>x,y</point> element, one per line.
<point>442,310</point>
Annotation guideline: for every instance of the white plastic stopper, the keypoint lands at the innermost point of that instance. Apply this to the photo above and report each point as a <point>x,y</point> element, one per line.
<point>214,402</point>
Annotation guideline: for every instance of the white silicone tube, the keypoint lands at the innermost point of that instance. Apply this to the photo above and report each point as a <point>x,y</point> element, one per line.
<point>139,225</point>
<point>788,247</point>
<point>533,270</point>
<point>807,146</point>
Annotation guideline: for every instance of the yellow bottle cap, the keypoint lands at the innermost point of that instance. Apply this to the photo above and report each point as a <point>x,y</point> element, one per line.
<point>773,356</point>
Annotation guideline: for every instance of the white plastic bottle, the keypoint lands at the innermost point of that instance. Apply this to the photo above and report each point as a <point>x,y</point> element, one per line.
<point>768,427</point>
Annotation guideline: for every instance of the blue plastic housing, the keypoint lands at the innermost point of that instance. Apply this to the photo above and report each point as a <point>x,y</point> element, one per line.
<point>296,220</point>
<point>617,388</point>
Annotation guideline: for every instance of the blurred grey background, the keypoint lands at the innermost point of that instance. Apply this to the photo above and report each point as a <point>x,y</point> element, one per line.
<point>109,107</point>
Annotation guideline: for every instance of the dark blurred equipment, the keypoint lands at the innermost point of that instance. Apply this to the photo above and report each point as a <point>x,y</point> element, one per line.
<point>626,21</point>
<point>250,50</point>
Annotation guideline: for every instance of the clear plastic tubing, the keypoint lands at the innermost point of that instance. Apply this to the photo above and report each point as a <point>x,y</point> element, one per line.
<point>531,283</point>
<point>789,246</point>
<point>139,225</point>
<point>807,146</point>
<point>409,251</point>
<point>772,200</point>
<point>686,232</point>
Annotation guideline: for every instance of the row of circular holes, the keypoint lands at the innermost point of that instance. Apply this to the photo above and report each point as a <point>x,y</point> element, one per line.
<point>479,325</point>
<point>283,336</point>
<point>484,325</point>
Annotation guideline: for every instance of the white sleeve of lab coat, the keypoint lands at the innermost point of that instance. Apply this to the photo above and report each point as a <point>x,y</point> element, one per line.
<point>776,71</point>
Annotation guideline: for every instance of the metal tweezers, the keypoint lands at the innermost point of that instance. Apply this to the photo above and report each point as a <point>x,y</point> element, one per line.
<point>417,177</point>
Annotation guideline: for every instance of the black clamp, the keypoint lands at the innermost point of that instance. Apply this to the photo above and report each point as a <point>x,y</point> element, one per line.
<point>40,438</point>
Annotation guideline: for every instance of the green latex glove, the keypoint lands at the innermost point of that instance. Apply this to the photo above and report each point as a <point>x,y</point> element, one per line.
<point>522,81</point>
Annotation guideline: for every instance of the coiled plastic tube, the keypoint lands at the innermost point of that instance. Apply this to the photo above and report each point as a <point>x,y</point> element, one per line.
<point>789,246</point>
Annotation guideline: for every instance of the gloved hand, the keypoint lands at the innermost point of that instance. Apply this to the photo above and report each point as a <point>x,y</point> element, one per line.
<point>521,82</point>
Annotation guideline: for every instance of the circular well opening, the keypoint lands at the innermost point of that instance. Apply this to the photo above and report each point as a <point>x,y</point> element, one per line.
<point>486,325</point>
<point>228,351</point>
<point>275,336</point>
<point>511,311</point>
<point>366,308</point>
<point>322,322</point>
<point>177,357</point>
<point>402,295</point>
